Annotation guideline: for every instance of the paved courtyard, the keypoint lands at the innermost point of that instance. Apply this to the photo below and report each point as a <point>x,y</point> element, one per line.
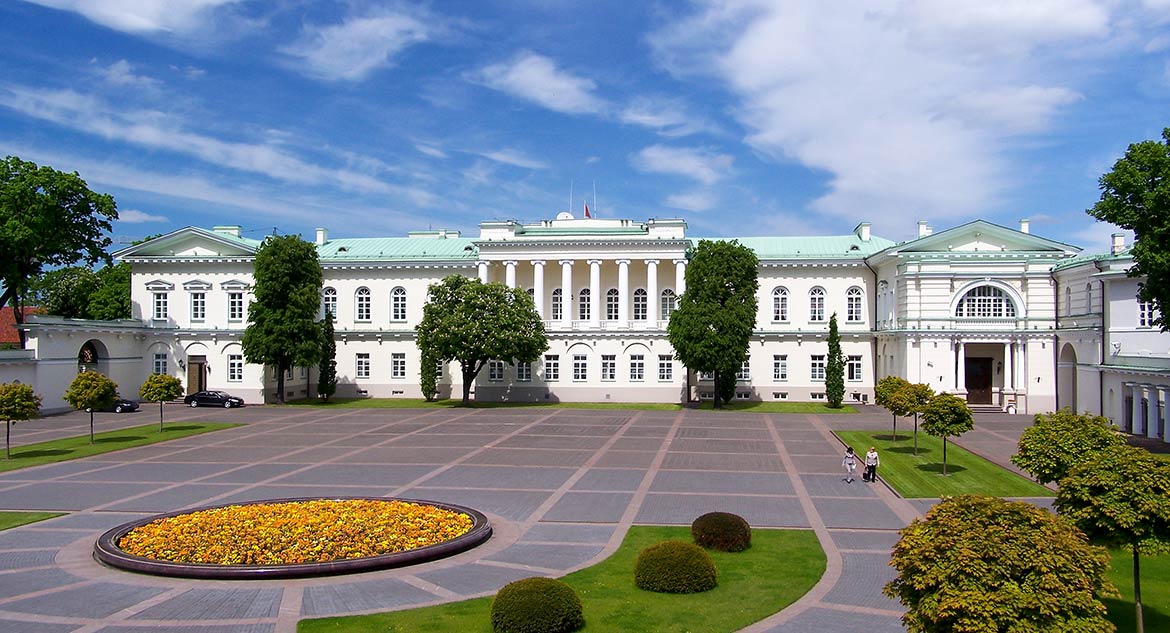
<point>560,486</point>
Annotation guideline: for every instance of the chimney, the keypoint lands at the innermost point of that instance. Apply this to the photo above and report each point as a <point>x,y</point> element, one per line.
<point>923,228</point>
<point>862,231</point>
<point>322,236</point>
<point>233,231</point>
<point>1118,243</point>
<point>1025,225</point>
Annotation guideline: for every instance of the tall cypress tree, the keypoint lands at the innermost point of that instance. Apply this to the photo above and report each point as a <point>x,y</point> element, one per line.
<point>327,370</point>
<point>834,367</point>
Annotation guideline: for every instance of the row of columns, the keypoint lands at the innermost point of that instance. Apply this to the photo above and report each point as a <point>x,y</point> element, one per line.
<point>596,300</point>
<point>1153,424</point>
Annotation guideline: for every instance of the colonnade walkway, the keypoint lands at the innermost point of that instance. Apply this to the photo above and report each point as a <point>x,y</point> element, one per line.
<point>560,486</point>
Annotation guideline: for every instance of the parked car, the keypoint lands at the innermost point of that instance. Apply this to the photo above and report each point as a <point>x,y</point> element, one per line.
<point>213,399</point>
<point>122,405</point>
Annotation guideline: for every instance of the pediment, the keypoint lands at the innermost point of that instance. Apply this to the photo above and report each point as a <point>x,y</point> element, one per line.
<point>981,236</point>
<point>191,242</point>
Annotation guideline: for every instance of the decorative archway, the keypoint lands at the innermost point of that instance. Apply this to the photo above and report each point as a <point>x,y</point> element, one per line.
<point>93,356</point>
<point>1066,378</point>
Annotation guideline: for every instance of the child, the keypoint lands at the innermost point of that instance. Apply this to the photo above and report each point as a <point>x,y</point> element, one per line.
<point>850,464</point>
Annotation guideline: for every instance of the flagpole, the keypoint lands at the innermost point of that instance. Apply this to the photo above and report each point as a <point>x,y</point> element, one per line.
<point>570,195</point>
<point>595,207</point>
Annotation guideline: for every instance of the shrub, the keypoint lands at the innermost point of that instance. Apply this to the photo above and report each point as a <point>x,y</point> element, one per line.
<point>722,531</point>
<point>674,567</point>
<point>536,605</point>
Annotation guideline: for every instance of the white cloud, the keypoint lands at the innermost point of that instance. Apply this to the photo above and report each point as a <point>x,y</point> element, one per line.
<point>666,116</point>
<point>1011,110</point>
<point>142,16</point>
<point>430,150</point>
<point>121,73</point>
<point>701,165</point>
<point>357,47</point>
<point>514,158</point>
<point>134,216</point>
<point>694,201</point>
<point>536,78</point>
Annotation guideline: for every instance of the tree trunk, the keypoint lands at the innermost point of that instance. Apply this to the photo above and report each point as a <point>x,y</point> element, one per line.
<point>894,436</point>
<point>944,454</point>
<point>7,439</point>
<point>160,416</point>
<point>916,441</point>
<point>1137,590</point>
<point>280,369</point>
<point>468,378</point>
<point>91,426</point>
<point>717,404</point>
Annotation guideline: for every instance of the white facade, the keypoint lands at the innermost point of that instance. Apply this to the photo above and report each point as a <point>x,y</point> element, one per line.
<point>971,310</point>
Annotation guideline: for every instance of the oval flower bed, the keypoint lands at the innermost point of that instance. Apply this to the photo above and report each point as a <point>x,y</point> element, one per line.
<point>293,537</point>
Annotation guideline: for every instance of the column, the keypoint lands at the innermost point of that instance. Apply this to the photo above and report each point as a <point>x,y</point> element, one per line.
<point>653,308</point>
<point>1163,396</point>
<point>1009,377</point>
<point>482,271</point>
<point>623,292</point>
<point>567,293</point>
<point>1137,428</point>
<point>538,286</point>
<point>1016,367</point>
<point>595,304</point>
<point>960,367</point>
<point>510,274</point>
<point>680,277</point>
<point>1151,412</point>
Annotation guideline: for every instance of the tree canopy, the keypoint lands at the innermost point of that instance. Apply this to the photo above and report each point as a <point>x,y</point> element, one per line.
<point>1135,195</point>
<point>91,390</point>
<point>946,415</point>
<point>77,292</point>
<point>834,367</point>
<point>976,564</point>
<point>283,331</point>
<point>47,219</point>
<point>471,322</point>
<point>890,393</point>
<point>1058,441</point>
<point>18,402</point>
<point>160,388</point>
<point>712,326</point>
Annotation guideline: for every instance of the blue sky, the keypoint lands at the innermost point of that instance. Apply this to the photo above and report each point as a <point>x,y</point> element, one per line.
<point>742,117</point>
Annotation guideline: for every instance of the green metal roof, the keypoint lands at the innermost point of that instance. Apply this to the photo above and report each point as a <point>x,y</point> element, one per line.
<point>1088,259</point>
<point>815,246</point>
<point>398,249</point>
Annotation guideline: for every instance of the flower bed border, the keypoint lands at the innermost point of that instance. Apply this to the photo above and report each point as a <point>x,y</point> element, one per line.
<point>106,549</point>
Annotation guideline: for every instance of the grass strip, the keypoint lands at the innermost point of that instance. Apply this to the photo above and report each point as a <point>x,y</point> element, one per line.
<point>76,447</point>
<point>17,519</point>
<point>419,403</point>
<point>1155,592</point>
<point>780,566</point>
<point>920,476</point>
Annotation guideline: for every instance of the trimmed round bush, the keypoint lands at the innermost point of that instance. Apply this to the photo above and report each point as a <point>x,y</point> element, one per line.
<point>536,605</point>
<point>674,567</point>
<point>722,531</point>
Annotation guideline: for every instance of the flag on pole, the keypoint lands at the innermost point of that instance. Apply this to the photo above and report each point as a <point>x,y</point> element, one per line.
<point>587,209</point>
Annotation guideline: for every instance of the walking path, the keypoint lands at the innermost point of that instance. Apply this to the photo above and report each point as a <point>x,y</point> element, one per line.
<point>560,486</point>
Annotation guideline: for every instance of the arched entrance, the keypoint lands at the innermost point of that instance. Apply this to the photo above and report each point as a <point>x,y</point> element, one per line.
<point>1066,378</point>
<point>93,356</point>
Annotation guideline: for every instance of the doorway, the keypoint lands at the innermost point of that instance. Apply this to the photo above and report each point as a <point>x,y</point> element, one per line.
<point>196,374</point>
<point>978,380</point>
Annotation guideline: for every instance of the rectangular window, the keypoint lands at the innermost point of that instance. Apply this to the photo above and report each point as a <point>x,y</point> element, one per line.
<point>160,364</point>
<point>235,372</point>
<point>557,305</point>
<point>817,396</point>
<point>816,308</point>
<point>198,306</point>
<point>580,367</point>
<point>637,367</point>
<point>608,367</point>
<point>552,367</point>
<point>707,376</point>
<point>583,307</point>
<point>780,367</point>
<point>304,372</point>
<point>523,372</point>
<point>288,374</point>
<point>817,368</point>
<point>398,365</point>
<point>611,305</point>
<point>665,367</point>
<point>853,368</point>
<point>779,395</point>
<point>1145,314</point>
<point>495,370</point>
<point>745,371</point>
<point>363,366</point>
<point>640,307</point>
<point>160,305</point>
<point>235,306</point>
<point>363,305</point>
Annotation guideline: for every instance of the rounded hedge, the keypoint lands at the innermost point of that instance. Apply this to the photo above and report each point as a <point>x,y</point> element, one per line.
<point>536,605</point>
<point>675,567</point>
<point>722,531</point>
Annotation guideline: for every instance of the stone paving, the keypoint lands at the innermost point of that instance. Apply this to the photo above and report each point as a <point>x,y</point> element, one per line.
<point>560,486</point>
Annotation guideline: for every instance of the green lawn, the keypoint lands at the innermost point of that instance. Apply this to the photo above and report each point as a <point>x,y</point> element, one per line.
<point>79,446</point>
<point>17,519</point>
<point>419,403</point>
<point>780,407</point>
<point>1155,592</point>
<point>921,476</point>
<point>781,566</point>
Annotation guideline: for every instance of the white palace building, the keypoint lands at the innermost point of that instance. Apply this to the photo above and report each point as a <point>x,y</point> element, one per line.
<point>1002,317</point>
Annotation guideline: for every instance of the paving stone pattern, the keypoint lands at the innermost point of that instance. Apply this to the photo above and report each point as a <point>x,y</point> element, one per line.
<point>561,488</point>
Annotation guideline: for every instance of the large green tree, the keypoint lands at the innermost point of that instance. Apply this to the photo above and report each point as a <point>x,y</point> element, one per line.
<point>1058,441</point>
<point>283,331</point>
<point>91,390</point>
<point>160,388</point>
<point>471,322</point>
<point>48,218</point>
<point>712,326</point>
<point>327,369</point>
<point>834,367</point>
<point>77,292</point>
<point>946,415</point>
<point>1135,195</point>
<point>1120,496</point>
<point>975,564</point>
<point>890,393</point>
<point>18,403</point>
<point>111,299</point>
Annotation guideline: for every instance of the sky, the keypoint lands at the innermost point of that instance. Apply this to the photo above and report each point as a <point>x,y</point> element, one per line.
<point>743,117</point>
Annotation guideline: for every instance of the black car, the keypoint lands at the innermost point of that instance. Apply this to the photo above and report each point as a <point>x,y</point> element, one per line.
<point>213,399</point>
<point>122,405</point>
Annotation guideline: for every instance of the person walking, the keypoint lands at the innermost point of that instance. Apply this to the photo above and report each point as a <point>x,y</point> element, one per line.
<point>850,464</point>
<point>871,463</point>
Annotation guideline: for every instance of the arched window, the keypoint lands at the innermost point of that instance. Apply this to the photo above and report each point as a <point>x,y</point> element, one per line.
<point>398,304</point>
<point>816,304</point>
<point>1067,300</point>
<point>1088,298</point>
<point>558,306</point>
<point>612,300</point>
<point>362,305</point>
<point>780,304</point>
<point>985,301</point>
<point>640,305</point>
<point>853,305</point>
<point>583,305</point>
<point>329,302</point>
<point>669,303</point>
